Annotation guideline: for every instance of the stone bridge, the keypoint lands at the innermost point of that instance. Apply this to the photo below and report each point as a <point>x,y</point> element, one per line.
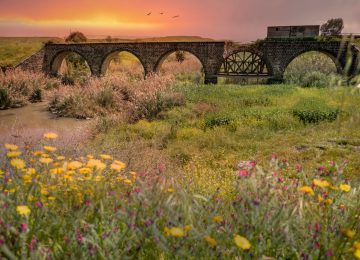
<point>267,58</point>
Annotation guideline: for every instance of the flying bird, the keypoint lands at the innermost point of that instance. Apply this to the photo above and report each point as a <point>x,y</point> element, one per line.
<point>176,16</point>
<point>161,13</point>
<point>148,14</point>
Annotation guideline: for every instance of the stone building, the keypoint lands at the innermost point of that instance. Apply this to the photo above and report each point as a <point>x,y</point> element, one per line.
<point>301,31</point>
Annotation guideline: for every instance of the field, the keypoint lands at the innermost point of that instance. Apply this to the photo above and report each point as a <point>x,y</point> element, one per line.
<point>175,169</point>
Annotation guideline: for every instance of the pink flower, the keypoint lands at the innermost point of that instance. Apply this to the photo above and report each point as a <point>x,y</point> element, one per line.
<point>281,180</point>
<point>243,173</point>
<point>38,204</point>
<point>274,174</point>
<point>23,227</point>
<point>298,167</point>
<point>274,156</point>
<point>32,244</point>
<point>253,164</point>
<point>329,253</point>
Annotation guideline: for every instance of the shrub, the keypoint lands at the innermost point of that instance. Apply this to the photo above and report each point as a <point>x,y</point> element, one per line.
<point>116,95</point>
<point>76,37</point>
<point>314,79</point>
<point>217,120</point>
<point>19,87</point>
<point>313,110</point>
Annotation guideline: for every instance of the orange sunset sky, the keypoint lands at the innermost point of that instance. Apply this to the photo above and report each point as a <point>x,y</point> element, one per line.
<point>241,20</point>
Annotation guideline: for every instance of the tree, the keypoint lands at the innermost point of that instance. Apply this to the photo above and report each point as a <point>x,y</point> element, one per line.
<point>76,37</point>
<point>180,56</point>
<point>109,39</point>
<point>332,27</point>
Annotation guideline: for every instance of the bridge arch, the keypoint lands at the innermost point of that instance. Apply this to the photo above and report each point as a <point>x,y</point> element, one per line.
<point>105,63</point>
<point>59,57</point>
<point>333,57</point>
<point>165,55</point>
<point>246,62</point>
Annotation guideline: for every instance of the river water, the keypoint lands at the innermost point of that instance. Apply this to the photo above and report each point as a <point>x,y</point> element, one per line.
<point>26,126</point>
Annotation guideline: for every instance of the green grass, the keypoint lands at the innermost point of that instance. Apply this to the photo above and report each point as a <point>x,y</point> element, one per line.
<point>222,125</point>
<point>13,50</point>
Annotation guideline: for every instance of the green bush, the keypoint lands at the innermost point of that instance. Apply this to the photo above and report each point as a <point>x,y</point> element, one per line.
<point>314,79</point>
<point>36,95</point>
<point>313,111</point>
<point>4,98</point>
<point>218,120</point>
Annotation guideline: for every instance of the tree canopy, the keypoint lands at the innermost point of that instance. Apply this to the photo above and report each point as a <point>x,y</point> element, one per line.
<point>332,27</point>
<point>76,37</point>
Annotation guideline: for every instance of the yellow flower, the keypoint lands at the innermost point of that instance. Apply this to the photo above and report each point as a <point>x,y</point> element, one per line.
<point>1,172</point>
<point>210,240</point>
<point>50,148</point>
<point>38,153</point>
<point>321,183</point>
<point>60,158</point>
<point>357,253</point>
<point>170,190</point>
<point>30,171</point>
<point>117,166</point>
<point>348,233</point>
<point>187,228</point>
<point>56,170</point>
<point>106,157</point>
<point>356,245</point>
<point>307,189</point>
<point>44,191</point>
<point>320,198</point>
<point>11,147</point>
<point>51,198</point>
<point>90,156</point>
<point>217,219</point>
<point>167,231</point>
<point>18,163</point>
<point>345,187</point>
<point>328,201</point>
<point>68,177</point>
<point>176,232</point>
<point>99,165</point>
<point>45,160</point>
<point>127,181</point>
<point>50,135</point>
<point>13,154</point>
<point>23,210</point>
<point>99,178</point>
<point>74,165</point>
<point>242,242</point>
<point>85,170</point>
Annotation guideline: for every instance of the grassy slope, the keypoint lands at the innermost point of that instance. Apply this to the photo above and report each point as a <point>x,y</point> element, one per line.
<point>209,155</point>
<point>13,50</point>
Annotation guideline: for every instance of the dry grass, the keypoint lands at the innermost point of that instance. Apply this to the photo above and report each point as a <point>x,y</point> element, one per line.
<point>114,95</point>
<point>19,87</point>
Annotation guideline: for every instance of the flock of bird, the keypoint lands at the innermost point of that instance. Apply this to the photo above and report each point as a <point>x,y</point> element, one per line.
<point>175,16</point>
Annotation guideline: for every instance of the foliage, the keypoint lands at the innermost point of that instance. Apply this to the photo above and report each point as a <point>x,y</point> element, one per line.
<point>311,69</point>
<point>19,87</point>
<point>180,56</point>
<point>314,110</point>
<point>53,206</point>
<point>76,37</point>
<point>115,95</point>
<point>332,27</point>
